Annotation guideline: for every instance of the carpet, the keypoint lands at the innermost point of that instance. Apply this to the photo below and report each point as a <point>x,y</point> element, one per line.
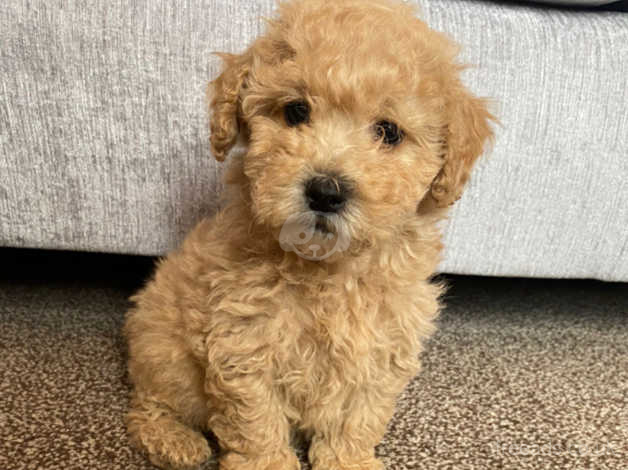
<point>522,374</point>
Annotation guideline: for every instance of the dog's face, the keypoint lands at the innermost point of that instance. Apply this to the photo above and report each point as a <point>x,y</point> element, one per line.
<point>353,116</point>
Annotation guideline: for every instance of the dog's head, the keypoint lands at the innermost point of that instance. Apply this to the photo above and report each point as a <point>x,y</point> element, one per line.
<point>353,112</point>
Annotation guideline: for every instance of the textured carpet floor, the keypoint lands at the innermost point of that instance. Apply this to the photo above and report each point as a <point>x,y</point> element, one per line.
<point>522,374</point>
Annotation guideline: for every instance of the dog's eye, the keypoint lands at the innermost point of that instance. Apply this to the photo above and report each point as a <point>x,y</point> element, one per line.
<point>296,112</point>
<point>389,132</point>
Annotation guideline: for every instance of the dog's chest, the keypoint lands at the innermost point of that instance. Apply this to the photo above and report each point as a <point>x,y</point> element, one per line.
<point>332,343</point>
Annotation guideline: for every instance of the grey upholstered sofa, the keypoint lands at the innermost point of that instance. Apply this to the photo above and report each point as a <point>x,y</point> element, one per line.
<point>103,129</point>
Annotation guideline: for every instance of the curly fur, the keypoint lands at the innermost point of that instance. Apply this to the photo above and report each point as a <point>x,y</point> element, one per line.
<point>237,336</point>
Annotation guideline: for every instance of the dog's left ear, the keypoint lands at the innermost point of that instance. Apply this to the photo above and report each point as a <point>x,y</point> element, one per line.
<point>224,93</point>
<point>467,130</point>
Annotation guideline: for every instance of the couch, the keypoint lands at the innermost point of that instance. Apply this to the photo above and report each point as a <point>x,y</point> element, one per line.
<point>104,136</point>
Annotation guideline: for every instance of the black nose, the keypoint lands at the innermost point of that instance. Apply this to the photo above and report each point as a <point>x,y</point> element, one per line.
<point>326,193</point>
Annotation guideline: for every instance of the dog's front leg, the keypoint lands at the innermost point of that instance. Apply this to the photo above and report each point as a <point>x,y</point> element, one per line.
<point>347,439</point>
<point>245,413</point>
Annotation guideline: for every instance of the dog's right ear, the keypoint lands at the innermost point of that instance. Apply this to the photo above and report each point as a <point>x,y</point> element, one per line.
<point>224,103</point>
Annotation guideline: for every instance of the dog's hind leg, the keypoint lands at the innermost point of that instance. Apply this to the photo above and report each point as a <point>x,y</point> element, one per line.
<point>169,443</point>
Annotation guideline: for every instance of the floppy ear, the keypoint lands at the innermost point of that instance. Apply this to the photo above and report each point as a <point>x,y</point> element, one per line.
<point>224,103</point>
<point>466,132</point>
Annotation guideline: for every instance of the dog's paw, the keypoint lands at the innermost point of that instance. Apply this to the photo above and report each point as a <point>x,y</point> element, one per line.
<point>169,444</point>
<point>279,461</point>
<point>371,464</point>
<point>323,458</point>
<point>181,453</point>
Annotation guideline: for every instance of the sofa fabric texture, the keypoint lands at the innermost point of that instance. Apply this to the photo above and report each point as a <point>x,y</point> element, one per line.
<point>579,3</point>
<point>104,134</point>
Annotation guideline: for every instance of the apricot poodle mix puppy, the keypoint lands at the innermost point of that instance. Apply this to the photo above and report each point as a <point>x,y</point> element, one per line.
<point>302,305</point>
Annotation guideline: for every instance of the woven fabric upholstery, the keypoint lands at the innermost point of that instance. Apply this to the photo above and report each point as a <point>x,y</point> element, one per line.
<point>579,3</point>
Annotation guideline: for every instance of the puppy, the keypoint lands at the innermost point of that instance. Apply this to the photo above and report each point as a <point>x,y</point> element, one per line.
<point>303,304</point>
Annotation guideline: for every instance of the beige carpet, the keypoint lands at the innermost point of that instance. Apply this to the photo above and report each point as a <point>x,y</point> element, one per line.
<point>522,374</point>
